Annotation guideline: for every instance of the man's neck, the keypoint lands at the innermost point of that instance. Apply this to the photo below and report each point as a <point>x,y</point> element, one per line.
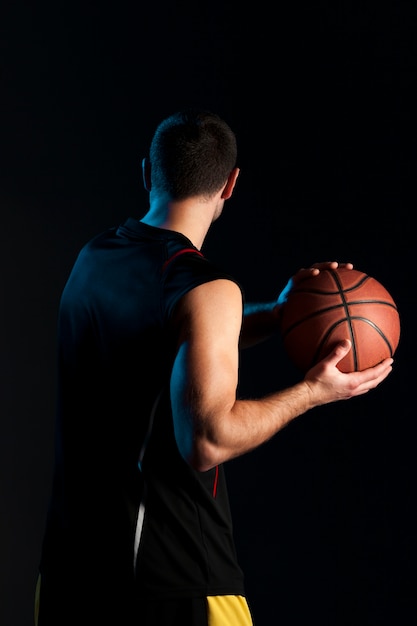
<point>191,217</point>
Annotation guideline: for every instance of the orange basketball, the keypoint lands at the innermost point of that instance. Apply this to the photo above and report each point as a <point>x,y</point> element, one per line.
<point>339,304</point>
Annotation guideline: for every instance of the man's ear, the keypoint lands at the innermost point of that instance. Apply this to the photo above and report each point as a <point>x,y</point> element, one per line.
<point>146,174</point>
<point>231,182</point>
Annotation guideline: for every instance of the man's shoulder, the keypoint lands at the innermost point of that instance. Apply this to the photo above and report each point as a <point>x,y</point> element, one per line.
<point>218,295</point>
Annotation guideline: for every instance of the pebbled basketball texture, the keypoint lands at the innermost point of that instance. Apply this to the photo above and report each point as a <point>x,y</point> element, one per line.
<point>335,305</point>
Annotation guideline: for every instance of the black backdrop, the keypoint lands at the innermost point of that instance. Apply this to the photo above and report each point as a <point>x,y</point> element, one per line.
<point>322,97</point>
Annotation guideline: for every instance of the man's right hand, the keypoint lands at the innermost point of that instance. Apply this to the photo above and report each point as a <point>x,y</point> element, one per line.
<point>329,384</point>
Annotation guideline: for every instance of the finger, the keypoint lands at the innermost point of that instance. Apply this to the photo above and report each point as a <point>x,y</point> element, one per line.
<point>339,351</point>
<point>326,265</point>
<point>373,376</point>
<point>348,266</point>
<point>378,371</point>
<point>315,268</point>
<point>305,272</point>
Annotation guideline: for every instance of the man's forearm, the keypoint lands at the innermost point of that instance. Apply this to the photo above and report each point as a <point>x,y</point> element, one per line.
<point>260,321</point>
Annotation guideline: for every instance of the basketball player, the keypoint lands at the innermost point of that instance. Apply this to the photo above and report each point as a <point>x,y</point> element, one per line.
<point>139,531</point>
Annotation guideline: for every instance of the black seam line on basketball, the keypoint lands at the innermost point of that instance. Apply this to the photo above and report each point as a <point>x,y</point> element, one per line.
<point>340,287</point>
<point>326,292</point>
<point>324,339</point>
<point>377,329</point>
<point>349,321</point>
<point>353,317</point>
<point>333,307</point>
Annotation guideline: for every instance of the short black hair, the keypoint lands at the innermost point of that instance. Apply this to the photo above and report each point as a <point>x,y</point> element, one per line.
<point>192,153</point>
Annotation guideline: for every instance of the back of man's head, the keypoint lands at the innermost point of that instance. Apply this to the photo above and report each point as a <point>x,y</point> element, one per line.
<point>192,154</point>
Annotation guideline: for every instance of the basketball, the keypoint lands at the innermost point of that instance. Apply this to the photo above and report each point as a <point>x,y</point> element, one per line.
<point>335,305</point>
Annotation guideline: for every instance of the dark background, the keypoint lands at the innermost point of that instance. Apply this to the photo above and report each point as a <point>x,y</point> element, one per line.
<point>322,98</point>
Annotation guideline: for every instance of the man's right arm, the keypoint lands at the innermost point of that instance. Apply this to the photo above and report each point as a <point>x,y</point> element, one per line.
<point>212,425</point>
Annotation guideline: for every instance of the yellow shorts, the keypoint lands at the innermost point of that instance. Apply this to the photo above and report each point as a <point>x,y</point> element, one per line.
<point>228,611</point>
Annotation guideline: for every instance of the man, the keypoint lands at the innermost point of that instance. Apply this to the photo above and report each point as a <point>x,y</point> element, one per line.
<point>139,530</point>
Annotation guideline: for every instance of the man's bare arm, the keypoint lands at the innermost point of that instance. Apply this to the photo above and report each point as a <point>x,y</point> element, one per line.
<point>212,425</point>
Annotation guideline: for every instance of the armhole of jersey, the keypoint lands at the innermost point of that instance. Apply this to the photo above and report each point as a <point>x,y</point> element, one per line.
<point>178,253</point>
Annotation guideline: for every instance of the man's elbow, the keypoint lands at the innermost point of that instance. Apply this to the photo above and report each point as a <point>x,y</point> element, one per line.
<point>202,456</point>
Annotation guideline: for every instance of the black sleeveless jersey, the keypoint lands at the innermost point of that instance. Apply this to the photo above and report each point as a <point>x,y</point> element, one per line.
<point>128,515</point>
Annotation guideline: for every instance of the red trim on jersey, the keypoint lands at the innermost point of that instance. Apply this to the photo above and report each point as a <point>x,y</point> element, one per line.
<point>174,256</point>
<point>216,480</point>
